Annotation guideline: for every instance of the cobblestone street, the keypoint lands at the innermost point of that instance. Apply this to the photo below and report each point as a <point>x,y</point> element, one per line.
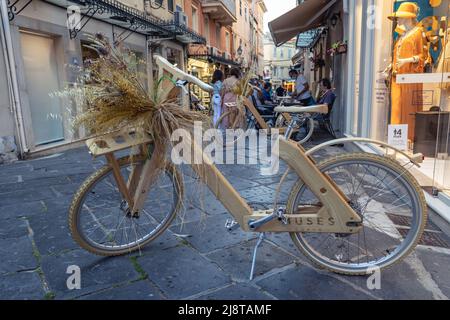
<point>196,258</point>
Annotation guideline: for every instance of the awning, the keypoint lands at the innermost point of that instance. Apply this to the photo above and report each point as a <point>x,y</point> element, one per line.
<point>306,16</point>
<point>215,59</point>
<point>308,39</point>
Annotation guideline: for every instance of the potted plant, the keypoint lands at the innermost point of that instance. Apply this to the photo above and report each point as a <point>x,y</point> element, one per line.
<point>337,48</point>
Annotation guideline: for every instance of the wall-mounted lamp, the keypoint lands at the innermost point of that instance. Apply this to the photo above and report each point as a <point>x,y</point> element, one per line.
<point>239,51</point>
<point>335,19</point>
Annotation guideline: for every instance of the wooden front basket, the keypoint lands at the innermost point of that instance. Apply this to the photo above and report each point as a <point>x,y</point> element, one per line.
<point>115,141</point>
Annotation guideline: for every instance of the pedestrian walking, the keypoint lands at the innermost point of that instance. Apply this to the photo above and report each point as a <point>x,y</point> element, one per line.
<point>228,96</point>
<point>217,82</point>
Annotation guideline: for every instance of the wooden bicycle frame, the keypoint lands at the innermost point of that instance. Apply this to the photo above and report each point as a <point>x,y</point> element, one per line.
<point>335,215</point>
<point>259,119</point>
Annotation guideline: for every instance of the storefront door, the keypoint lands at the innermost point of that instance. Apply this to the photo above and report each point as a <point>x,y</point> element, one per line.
<point>41,79</point>
<point>442,111</point>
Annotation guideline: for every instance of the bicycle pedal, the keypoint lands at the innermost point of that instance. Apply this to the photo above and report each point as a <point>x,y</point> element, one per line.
<point>281,215</point>
<point>231,225</point>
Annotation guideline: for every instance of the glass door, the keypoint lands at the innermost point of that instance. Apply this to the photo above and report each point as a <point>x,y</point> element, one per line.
<point>441,174</point>
<point>41,77</point>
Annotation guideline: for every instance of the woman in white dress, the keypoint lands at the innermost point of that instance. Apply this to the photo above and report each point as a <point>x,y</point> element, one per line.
<point>217,82</point>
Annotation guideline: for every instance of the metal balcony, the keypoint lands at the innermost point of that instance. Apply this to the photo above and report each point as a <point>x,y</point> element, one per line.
<point>223,11</point>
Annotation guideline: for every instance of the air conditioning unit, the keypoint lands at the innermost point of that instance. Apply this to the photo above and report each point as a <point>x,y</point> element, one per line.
<point>227,56</point>
<point>180,18</point>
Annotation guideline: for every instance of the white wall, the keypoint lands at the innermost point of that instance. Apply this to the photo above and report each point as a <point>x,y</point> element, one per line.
<point>6,117</point>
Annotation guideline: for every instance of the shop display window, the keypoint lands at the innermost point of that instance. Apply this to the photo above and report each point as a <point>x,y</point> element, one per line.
<point>411,81</point>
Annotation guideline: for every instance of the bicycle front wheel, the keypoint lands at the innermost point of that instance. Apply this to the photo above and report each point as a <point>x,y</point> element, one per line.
<point>390,203</point>
<point>101,224</point>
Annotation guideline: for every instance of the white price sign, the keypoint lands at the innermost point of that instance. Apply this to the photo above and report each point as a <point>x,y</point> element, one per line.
<point>398,136</point>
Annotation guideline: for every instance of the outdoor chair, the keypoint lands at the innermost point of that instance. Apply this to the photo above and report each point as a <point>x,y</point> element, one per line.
<point>325,120</point>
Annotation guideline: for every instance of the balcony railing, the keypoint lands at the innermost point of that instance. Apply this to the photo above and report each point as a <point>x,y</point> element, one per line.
<point>224,11</point>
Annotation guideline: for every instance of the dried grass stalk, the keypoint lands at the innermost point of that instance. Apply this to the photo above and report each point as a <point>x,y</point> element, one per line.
<point>115,99</point>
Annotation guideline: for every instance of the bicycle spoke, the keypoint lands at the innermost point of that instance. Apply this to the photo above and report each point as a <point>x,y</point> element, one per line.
<point>375,192</point>
<point>106,223</point>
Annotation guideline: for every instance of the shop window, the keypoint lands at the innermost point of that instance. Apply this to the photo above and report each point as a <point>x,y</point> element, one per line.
<point>218,30</point>
<point>174,56</point>
<point>194,18</point>
<point>413,93</point>
<point>170,5</point>
<point>206,30</point>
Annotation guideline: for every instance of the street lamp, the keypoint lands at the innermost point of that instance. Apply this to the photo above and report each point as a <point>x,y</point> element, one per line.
<point>239,51</point>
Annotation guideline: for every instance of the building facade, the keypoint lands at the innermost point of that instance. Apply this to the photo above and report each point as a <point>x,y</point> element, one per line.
<point>278,60</point>
<point>213,20</point>
<point>232,29</point>
<point>248,34</point>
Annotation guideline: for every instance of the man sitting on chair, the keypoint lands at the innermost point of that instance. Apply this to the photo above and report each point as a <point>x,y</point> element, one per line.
<point>327,95</point>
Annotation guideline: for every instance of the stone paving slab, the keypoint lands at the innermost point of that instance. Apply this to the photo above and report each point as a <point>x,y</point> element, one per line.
<point>305,283</point>
<point>22,209</point>
<point>391,278</point>
<point>21,286</point>
<point>181,272</point>
<point>140,290</point>
<point>236,260</point>
<point>17,254</point>
<point>237,291</point>
<point>96,272</point>
<point>12,227</point>
<point>210,234</point>
<point>438,264</point>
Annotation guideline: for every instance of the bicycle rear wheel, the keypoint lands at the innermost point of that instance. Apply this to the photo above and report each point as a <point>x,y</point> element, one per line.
<point>100,223</point>
<point>388,199</point>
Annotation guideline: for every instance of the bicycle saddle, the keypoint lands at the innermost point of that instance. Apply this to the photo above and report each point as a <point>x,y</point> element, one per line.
<point>320,108</point>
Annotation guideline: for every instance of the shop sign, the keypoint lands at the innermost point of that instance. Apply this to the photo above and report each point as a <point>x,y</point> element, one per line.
<point>398,136</point>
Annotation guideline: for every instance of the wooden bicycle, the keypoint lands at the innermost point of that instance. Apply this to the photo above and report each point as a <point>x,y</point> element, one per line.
<point>339,213</point>
<point>300,122</point>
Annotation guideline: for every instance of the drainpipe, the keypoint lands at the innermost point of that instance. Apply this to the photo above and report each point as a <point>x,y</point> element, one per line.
<point>12,77</point>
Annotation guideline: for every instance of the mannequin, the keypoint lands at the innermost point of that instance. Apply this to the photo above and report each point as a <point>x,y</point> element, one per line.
<point>409,56</point>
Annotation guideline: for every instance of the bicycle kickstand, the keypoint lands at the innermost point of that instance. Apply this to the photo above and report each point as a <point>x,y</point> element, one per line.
<point>260,240</point>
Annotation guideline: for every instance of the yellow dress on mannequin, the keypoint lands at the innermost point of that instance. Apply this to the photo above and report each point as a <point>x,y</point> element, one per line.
<point>409,56</point>
<point>406,99</point>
